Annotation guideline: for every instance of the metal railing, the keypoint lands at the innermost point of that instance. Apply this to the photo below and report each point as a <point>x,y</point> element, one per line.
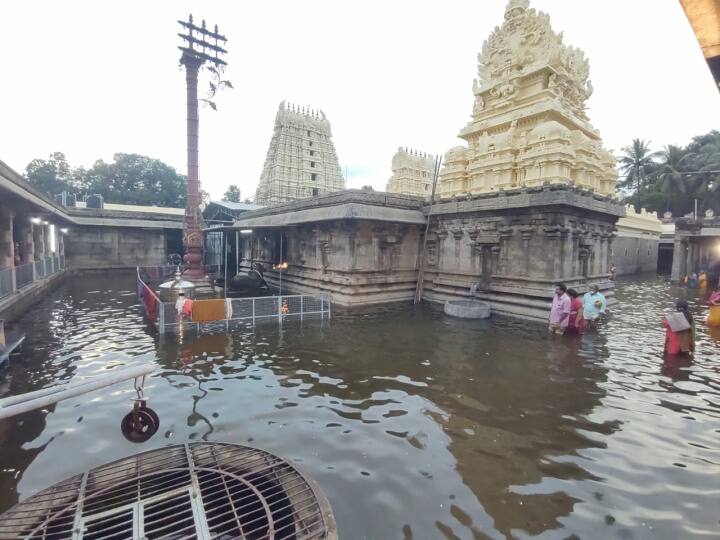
<point>40,268</point>
<point>15,278</point>
<point>6,282</point>
<point>238,311</point>
<point>24,275</point>
<point>243,311</point>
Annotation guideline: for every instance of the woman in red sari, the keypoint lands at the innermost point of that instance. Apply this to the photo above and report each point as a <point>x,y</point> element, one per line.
<point>576,321</point>
<point>680,341</point>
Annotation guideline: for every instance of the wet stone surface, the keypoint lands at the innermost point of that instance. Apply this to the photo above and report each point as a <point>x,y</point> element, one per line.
<point>415,424</point>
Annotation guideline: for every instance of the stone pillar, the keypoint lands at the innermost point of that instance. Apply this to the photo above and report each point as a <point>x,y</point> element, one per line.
<point>7,246</point>
<point>27,244</point>
<point>691,251</point>
<point>39,240</point>
<point>60,243</point>
<point>48,232</point>
<point>679,264</point>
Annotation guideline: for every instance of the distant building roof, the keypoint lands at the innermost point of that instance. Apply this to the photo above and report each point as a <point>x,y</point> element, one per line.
<point>138,208</point>
<point>237,205</point>
<point>226,211</point>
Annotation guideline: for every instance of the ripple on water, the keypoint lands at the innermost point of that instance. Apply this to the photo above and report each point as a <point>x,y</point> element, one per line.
<point>415,424</point>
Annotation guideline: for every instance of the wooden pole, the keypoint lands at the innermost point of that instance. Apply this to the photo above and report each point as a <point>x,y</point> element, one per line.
<point>421,269</point>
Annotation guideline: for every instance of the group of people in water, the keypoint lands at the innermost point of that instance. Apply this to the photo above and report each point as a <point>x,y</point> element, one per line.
<point>571,313</point>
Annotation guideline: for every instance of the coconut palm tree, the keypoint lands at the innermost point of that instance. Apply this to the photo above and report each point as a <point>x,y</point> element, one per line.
<point>704,159</point>
<point>637,164</point>
<point>671,177</point>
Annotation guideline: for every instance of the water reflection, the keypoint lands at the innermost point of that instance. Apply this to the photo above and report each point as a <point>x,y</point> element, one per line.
<point>415,425</point>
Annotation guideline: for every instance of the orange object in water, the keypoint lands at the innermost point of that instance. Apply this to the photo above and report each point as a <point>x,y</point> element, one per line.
<point>713,318</point>
<point>208,310</point>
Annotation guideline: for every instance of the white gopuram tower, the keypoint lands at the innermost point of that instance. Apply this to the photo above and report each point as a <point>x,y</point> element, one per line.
<point>301,161</point>
<point>528,126</point>
<point>412,173</point>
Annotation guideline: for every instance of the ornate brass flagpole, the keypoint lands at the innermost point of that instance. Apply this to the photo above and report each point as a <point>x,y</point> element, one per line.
<point>200,46</point>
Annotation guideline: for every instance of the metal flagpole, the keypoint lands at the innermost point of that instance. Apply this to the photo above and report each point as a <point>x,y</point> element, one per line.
<point>225,257</point>
<point>280,265</point>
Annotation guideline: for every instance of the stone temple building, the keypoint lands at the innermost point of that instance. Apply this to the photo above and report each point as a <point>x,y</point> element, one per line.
<point>528,203</point>
<point>301,161</point>
<point>528,124</point>
<point>412,173</point>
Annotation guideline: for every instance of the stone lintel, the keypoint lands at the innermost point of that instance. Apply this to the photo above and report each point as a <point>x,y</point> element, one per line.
<point>535,198</point>
<point>340,212</point>
<point>348,204</point>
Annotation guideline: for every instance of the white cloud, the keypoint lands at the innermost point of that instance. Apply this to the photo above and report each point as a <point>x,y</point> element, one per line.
<point>95,78</point>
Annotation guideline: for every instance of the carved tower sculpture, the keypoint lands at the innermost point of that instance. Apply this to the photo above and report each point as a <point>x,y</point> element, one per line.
<point>412,173</point>
<point>301,161</point>
<point>528,124</point>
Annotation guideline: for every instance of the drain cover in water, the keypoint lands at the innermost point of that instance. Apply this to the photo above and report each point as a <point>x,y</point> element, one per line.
<point>197,490</point>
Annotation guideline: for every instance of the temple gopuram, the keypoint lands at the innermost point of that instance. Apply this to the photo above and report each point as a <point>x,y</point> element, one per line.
<point>301,160</point>
<point>528,125</point>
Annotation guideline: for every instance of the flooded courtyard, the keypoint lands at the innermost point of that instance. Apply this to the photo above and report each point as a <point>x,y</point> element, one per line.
<point>415,425</point>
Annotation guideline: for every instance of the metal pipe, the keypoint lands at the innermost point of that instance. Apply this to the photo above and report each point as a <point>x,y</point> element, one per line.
<point>421,265</point>
<point>12,406</point>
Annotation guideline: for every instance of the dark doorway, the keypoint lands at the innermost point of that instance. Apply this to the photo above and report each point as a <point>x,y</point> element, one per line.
<point>665,259</point>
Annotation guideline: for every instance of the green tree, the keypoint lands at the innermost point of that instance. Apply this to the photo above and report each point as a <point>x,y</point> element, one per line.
<point>671,177</point>
<point>53,175</point>
<point>637,164</point>
<point>681,177</point>
<point>137,179</point>
<point>232,194</point>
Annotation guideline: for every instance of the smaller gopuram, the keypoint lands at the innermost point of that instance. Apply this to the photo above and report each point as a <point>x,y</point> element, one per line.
<point>412,173</point>
<point>301,161</point>
<point>530,200</point>
<point>528,124</point>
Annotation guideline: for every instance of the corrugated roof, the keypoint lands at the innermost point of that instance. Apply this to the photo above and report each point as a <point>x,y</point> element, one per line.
<point>137,208</point>
<point>237,206</point>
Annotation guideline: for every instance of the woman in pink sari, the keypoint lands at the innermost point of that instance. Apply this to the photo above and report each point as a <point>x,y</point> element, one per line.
<point>576,321</point>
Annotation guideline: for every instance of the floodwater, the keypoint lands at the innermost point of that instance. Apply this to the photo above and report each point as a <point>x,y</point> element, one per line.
<point>415,425</point>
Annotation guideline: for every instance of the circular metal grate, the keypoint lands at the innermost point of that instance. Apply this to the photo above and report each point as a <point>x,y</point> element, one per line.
<point>196,490</point>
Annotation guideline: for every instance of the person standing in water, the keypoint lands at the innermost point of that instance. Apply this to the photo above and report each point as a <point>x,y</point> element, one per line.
<point>594,305</point>
<point>679,330</point>
<point>576,321</point>
<point>560,310</point>
<point>713,318</point>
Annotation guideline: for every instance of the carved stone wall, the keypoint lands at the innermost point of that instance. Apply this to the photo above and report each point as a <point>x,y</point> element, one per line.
<point>301,161</point>
<point>358,262</point>
<point>528,124</point>
<point>515,245</point>
<point>412,173</point>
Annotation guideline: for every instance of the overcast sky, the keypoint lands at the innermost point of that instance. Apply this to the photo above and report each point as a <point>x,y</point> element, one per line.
<point>94,78</point>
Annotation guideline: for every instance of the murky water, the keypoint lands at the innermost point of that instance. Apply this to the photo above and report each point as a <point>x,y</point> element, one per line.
<point>416,425</point>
